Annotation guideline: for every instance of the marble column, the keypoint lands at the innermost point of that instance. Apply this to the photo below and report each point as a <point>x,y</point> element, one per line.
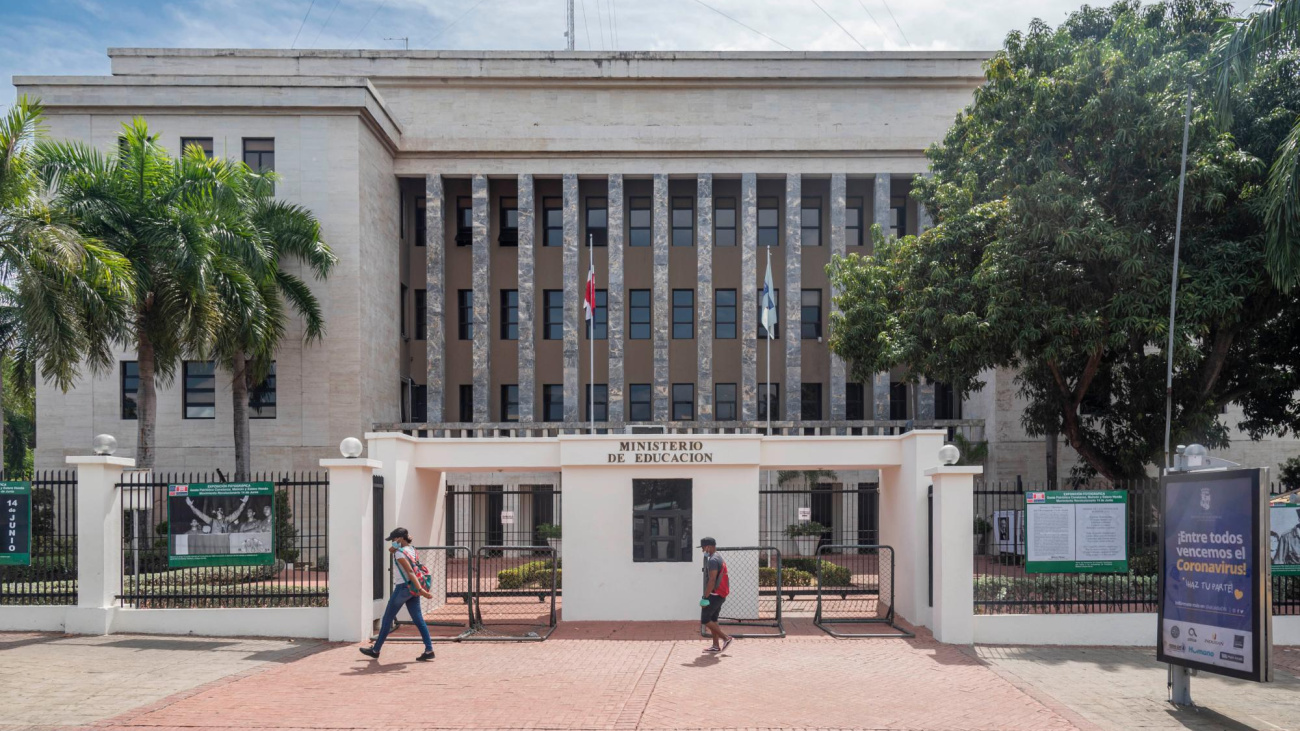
<point>615,298</point>
<point>482,254</point>
<point>435,298</point>
<point>573,321</point>
<point>662,303</point>
<point>749,297</point>
<point>839,406</point>
<point>791,296</point>
<point>880,209</point>
<point>527,252</point>
<point>704,295</point>
<point>925,397</point>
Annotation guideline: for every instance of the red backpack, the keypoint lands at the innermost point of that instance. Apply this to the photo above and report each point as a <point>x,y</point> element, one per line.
<point>724,584</point>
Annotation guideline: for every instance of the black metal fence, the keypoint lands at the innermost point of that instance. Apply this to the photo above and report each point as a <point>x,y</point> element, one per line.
<point>1003,587</point>
<point>798,521</point>
<point>299,576</point>
<point>525,519</point>
<point>855,587</point>
<point>51,577</point>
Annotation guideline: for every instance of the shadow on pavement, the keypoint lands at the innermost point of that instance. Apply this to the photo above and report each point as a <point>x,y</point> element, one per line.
<point>1198,717</point>
<point>169,644</point>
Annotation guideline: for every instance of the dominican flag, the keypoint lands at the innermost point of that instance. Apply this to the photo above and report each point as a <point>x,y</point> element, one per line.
<point>589,299</point>
<point>767,302</point>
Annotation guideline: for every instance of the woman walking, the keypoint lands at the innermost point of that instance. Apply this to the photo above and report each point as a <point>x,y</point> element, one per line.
<point>416,585</point>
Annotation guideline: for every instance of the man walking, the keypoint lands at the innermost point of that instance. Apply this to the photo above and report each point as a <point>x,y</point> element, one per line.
<point>406,594</point>
<point>716,588</point>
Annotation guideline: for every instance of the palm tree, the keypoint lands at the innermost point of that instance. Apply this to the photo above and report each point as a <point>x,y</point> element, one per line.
<point>1274,29</point>
<point>249,337</point>
<point>62,295</point>
<point>168,218</point>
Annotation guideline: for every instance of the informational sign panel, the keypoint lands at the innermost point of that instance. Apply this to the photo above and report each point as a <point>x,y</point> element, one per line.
<point>507,517</point>
<point>16,514</point>
<point>805,515</point>
<point>1284,534</point>
<point>221,524</point>
<point>1008,531</point>
<point>1213,604</point>
<point>1076,531</point>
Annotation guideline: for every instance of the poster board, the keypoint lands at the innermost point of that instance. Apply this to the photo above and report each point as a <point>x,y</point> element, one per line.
<point>1213,601</point>
<point>1284,534</point>
<point>221,524</point>
<point>1008,532</point>
<point>16,521</point>
<point>1076,531</point>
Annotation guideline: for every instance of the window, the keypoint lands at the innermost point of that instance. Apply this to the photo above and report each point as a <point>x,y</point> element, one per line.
<point>765,401</point>
<point>638,220</point>
<point>598,220</point>
<point>261,398</point>
<point>724,222</point>
<point>553,220</point>
<point>776,327</point>
<point>810,401</point>
<point>259,154</point>
<point>510,402</point>
<point>419,404</point>
<point>946,403</point>
<point>130,388</point>
<point>464,221</point>
<point>200,389</point>
<point>401,311</point>
<point>601,316</point>
<point>553,314</point>
<point>467,403</point>
<point>683,314</point>
<point>683,402</point>
<point>661,521</point>
<point>600,405</point>
<point>638,314</point>
<point>810,314</point>
<point>853,213</point>
<point>855,402</point>
<point>897,401</point>
<point>420,309</point>
<point>509,314</point>
<point>509,235</point>
<point>638,398</point>
<point>465,313</point>
<point>421,221</point>
<point>769,222</point>
<point>724,402</point>
<point>552,402</point>
<point>683,217</point>
<point>203,143</point>
<point>810,222</point>
<point>898,216</point>
<point>724,314</point>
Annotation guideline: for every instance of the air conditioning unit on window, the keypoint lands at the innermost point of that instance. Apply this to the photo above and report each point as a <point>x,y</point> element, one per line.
<point>642,429</point>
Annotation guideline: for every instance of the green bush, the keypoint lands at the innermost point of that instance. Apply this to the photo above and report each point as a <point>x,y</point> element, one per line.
<point>532,575</point>
<point>1049,588</point>
<point>1145,564</point>
<point>832,574</point>
<point>789,577</point>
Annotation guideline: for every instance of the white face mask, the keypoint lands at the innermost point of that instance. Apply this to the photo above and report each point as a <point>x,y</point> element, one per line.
<point>397,545</point>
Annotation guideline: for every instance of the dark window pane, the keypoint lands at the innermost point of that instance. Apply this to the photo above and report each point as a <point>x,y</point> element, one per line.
<point>683,314</point>
<point>553,221</point>
<point>598,221</point>
<point>638,219</point>
<point>897,401</point>
<point>467,403</point>
<point>553,402</point>
<point>200,389</point>
<point>509,234</point>
<point>259,154</point>
<point>601,403</point>
<point>509,314</point>
<point>553,314</point>
<point>683,222</point>
<point>810,314</point>
<point>261,398</point>
<point>724,402</point>
<point>724,310</point>
<point>203,143</point>
<point>769,398</point>
<point>638,314</point>
<point>853,222</point>
<point>420,311</point>
<point>465,314</point>
<point>810,401</point>
<point>855,402</point>
<point>661,520</point>
<point>769,222</point>
<point>683,401</point>
<point>419,404</point>
<point>510,403</point>
<point>638,397</point>
<point>130,388</point>
<point>810,222</point>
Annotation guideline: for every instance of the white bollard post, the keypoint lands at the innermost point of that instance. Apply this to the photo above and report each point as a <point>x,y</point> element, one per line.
<point>351,547</point>
<point>99,543</point>
<point>953,614</point>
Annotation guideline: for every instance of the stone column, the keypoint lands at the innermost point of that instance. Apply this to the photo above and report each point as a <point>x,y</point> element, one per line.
<point>482,254</point>
<point>704,294</point>
<point>839,406</point>
<point>662,303</point>
<point>953,546</point>
<point>99,542</point>
<point>791,296</point>
<point>615,297</point>
<point>527,346</point>
<point>572,302</point>
<point>351,548</point>
<point>748,297</point>
<point>435,251</point>
<point>925,396</point>
<point>880,382</point>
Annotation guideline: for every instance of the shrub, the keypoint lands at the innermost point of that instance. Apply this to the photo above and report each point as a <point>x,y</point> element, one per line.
<point>532,575</point>
<point>549,530</point>
<point>832,574</point>
<point>803,530</point>
<point>1048,588</point>
<point>789,577</point>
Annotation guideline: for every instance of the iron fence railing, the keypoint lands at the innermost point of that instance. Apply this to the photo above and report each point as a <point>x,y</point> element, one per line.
<point>970,431</point>
<point>51,577</point>
<point>299,575</point>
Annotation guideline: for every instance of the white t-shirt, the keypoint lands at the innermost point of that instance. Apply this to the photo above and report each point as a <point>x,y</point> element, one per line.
<point>407,552</point>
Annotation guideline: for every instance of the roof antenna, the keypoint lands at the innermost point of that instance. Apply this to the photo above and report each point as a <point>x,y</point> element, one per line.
<point>406,41</point>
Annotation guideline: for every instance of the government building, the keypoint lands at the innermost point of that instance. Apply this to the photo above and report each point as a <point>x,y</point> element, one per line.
<point>469,194</point>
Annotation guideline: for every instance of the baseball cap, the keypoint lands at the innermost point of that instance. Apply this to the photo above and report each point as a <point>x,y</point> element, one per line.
<point>398,533</point>
<point>706,541</point>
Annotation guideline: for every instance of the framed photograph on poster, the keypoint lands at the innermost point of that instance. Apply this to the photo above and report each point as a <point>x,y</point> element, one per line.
<point>221,524</point>
<point>1284,534</point>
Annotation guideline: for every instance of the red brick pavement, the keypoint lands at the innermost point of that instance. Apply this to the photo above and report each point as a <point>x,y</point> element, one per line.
<point>620,676</point>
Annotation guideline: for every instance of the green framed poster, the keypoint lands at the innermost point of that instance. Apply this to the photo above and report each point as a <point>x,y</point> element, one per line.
<point>16,514</point>
<point>1284,534</point>
<point>221,524</point>
<point>1076,531</point>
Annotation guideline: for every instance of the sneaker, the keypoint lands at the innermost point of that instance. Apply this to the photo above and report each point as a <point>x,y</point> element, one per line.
<point>726,644</point>
<point>713,649</point>
<point>426,657</point>
<point>369,652</point>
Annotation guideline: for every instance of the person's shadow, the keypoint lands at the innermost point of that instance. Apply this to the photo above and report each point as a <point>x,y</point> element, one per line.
<point>705,660</point>
<point>374,668</point>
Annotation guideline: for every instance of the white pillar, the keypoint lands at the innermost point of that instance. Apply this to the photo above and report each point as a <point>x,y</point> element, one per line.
<point>953,614</point>
<point>99,543</point>
<point>904,523</point>
<point>351,548</point>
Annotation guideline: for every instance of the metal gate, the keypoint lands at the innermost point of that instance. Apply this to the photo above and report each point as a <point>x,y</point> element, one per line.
<point>855,585</point>
<point>515,593</point>
<point>450,613</point>
<point>850,515</point>
<point>755,600</point>
<point>489,515</point>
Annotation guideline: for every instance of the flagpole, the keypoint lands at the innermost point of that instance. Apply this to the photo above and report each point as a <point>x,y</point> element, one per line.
<point>768,332</point>
<point>591,340</point>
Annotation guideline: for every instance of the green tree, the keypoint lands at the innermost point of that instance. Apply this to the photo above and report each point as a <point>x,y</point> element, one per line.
<point>1055,195</point>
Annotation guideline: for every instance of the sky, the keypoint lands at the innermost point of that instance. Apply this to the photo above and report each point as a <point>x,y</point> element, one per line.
<point>70,37</point>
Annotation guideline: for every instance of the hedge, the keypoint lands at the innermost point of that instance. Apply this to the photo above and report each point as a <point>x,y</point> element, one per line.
<point>832,574</point>
<point>1048,588</point>
<point>789,577</point>
<point>532,575</point>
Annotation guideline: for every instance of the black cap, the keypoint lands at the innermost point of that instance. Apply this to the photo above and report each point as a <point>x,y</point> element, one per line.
<point>399,533</point>
<point>706,541</point>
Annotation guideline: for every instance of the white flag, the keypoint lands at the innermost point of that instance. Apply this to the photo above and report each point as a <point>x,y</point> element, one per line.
<point>768,301</point>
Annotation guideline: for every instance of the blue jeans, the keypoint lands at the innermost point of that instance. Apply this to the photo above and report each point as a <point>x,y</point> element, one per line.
<point>402,595</point>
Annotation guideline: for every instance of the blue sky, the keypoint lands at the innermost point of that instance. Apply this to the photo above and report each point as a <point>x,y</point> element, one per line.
<point>69,37</point>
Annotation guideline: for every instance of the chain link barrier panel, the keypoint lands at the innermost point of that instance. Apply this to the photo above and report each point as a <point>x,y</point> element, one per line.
<point>450,612</point>
<point>754,603</point>
<point>855,586</point>
<point>515,593</point>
